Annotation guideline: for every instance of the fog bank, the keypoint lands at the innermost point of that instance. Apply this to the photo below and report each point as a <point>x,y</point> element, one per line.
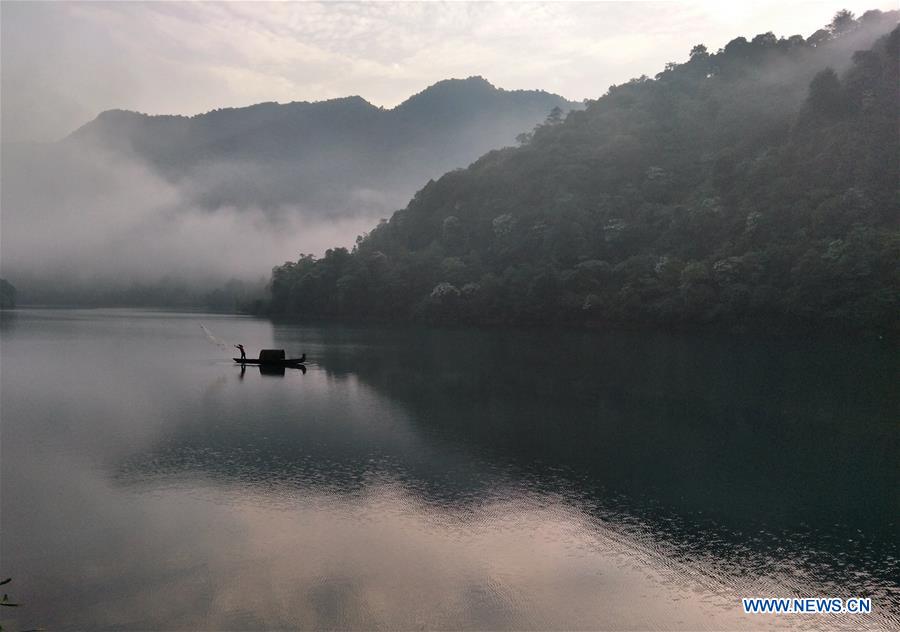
<point>83,217</point>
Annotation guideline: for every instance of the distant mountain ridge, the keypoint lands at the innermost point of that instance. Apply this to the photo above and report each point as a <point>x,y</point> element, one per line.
<point>340,156</point>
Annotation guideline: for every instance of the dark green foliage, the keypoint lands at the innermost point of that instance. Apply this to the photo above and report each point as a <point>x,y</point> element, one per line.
<point>843,21</point>
<point>826,95</point>
<point>7,295</point>
<point>750,187</point>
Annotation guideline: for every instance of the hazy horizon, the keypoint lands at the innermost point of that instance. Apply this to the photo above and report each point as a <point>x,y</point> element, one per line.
<point>239,196</point>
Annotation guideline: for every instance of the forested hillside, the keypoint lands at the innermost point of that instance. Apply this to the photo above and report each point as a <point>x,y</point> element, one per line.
<point>750,187</point>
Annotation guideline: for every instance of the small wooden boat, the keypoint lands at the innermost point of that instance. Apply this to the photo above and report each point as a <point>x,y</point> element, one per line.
<point>272,357</point>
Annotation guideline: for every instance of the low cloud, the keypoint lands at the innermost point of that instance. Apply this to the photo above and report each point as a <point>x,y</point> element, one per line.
<point>75,216</point>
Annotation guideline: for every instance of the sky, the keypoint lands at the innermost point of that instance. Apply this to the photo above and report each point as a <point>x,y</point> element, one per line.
<point>63,63</point>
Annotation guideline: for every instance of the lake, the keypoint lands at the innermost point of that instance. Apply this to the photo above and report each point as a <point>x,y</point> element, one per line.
<point>439,478</point>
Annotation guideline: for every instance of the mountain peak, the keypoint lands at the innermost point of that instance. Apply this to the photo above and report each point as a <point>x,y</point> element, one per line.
<point>475,93</point>
<point>473,81</point>
<point>452,87</point>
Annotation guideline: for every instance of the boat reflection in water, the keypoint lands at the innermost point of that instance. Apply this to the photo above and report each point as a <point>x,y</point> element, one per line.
<point>273,370</point>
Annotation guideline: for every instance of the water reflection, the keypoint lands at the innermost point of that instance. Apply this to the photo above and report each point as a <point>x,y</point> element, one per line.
<point>726,481</point>
<point>441,478</point>
<point>7,320</point>
<point>777,458</point>
<point>273,370</point>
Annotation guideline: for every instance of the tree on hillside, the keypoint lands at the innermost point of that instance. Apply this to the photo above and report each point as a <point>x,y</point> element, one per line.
<point>555,117</point>
<point>826,94</point>
<point>842,22</point>
<point>699,51</point>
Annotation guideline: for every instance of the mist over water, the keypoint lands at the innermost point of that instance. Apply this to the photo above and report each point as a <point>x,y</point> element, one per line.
<point>87,217</point>
<point>129,199</point>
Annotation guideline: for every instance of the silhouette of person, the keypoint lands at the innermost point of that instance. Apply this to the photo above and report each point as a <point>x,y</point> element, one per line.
<point>241,349</point>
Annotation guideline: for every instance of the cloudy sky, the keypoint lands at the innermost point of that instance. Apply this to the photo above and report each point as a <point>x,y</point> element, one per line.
<point>62,63</point>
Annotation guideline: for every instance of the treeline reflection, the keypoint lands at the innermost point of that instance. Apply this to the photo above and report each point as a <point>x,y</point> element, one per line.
<point>767,451</point>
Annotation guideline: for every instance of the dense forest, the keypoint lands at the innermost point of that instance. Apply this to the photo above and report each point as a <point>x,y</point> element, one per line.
<point>753,187</point>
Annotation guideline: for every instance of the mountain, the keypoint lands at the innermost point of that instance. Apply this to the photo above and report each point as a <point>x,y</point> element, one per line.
<point>136,209</point>
<point>342,156</point>
<point>750,188</point>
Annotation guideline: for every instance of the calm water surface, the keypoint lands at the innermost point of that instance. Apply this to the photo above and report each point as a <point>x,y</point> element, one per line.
<point>439,478</point>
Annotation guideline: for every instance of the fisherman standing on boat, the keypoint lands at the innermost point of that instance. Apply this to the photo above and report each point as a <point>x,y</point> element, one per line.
<point>241,349</point>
